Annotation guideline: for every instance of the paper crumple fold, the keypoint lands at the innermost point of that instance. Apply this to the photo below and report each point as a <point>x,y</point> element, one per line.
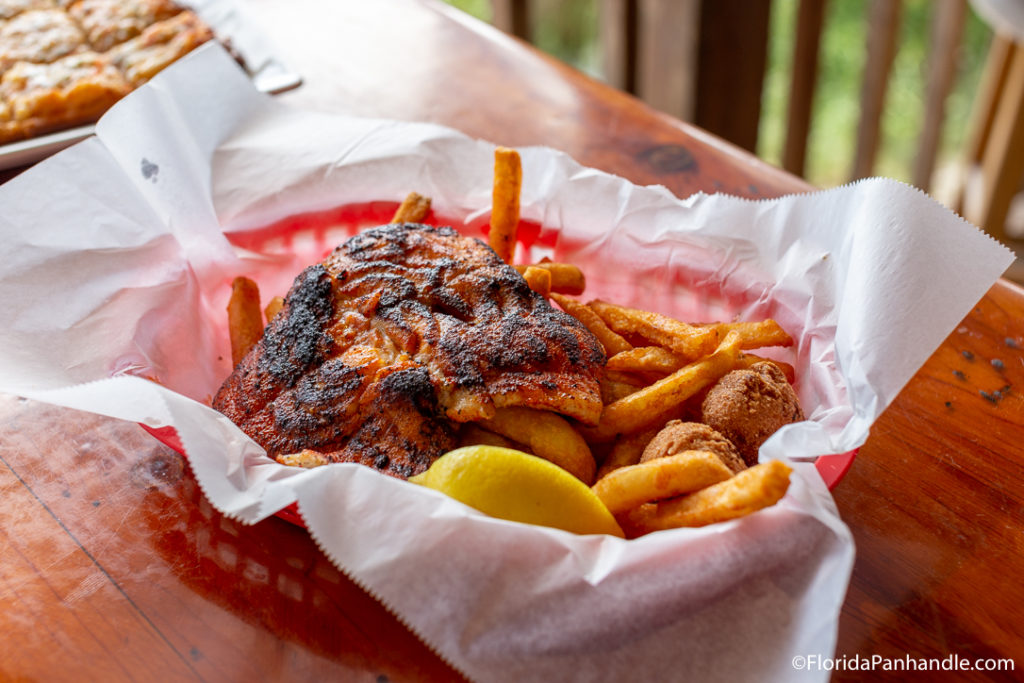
<point>117,268</point>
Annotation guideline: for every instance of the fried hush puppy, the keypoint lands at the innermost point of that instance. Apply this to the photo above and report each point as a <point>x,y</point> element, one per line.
<point>678,436</point>
<point>747,406</point>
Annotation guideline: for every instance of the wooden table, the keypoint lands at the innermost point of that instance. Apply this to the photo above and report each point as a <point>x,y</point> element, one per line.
<point>115,567</point>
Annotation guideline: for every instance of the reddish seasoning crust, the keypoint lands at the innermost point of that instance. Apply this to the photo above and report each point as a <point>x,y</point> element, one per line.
<point>401,333</point>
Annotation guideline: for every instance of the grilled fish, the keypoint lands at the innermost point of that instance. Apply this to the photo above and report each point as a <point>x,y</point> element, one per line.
<point>402,333</point>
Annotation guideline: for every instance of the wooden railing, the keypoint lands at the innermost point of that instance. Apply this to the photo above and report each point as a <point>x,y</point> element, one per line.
<point>704,61</point>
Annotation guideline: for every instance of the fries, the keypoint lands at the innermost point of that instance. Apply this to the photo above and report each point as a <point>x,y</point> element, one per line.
<point>538,279</point>
<point>473,434</point>
<point>565,277</point>
<point>508,180</point>
<point>667,477</point>
<point>754,335</point>
<point>679,337</point>
<point>742,494</point>
<point>655,366</point>
<point>660,360</point>
<point>654,404</point>
<point>245,320</point>
<point>646,359</point>
<point>611,341</point>
<point>626,452</point>
<point>614,388</point>
<point>413,209</point>
<point>273,308</point>
<point>548,435</point>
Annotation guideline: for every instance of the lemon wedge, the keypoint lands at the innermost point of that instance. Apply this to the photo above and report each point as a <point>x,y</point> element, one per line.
<point>513,485</point>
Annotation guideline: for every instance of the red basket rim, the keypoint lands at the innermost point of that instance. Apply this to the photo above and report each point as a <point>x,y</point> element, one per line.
<point>832,468</point>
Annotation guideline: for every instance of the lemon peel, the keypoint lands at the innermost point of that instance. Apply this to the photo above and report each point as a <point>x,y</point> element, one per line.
<point>517,486</point>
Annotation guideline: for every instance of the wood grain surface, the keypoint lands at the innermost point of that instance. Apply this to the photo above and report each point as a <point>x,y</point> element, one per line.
<point>114,566</point>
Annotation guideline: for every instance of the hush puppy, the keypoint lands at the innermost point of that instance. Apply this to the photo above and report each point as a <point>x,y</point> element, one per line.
<point>678,436</point>
<point>747,406</point>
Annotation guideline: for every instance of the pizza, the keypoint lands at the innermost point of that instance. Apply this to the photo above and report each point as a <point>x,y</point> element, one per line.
<point>9,8</point>
<point>107,23</point>
<point>76,89</point>
<point>143,57</point>
<point>63,63</point>
<point>39,36</point>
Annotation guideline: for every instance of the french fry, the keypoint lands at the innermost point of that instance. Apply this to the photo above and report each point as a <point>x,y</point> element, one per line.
<point>626,451</point>
<point>646,359</point>
<point>638,379</point>
<point>611,341</point>
<point>745,360</point>
<point>658,359</point>
<point>473,434</point>
<point>245,319</point>
<point>643,378</point>
<point>413,209</point>
<point>627,487</point>
<point>508,181</point>
<point>565,277</point>
<point>548,435</point>
<point>614,389</point>
<point>742,494</point>
<point>273,308</point>
<point>538,279</point>
<point>679,337</point>
<point>754,335</point>
<point>654,404</point>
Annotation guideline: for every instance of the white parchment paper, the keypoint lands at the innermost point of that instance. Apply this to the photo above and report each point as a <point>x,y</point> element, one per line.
<point>117,267</point>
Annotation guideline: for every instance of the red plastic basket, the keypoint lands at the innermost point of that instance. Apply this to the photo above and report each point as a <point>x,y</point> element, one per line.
<point>832,468</point>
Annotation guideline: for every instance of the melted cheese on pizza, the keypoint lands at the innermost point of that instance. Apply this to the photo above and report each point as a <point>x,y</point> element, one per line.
<point>9,8</point>
<point>65,62</point>
<point>39,36</point>
<point>110,22</point>
<point>71,91</point>
<point>143,57</point>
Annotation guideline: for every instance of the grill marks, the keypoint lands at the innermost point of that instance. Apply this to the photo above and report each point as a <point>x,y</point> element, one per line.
<point>401,331</point>
<point>289,349</point>
<point>324,405</point>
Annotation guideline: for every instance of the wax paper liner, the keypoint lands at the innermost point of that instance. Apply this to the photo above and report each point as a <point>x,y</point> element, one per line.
<point>117,269</point>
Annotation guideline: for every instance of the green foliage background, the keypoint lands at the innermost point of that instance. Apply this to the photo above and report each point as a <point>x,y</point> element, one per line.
<point>568,29</point>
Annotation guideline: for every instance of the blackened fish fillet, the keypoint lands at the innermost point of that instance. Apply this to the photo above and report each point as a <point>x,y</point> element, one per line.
<point>401,333</point>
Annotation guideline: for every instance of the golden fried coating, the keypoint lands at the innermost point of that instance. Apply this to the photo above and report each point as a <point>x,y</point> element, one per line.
<point>747,406</point>
<point>678,436</point>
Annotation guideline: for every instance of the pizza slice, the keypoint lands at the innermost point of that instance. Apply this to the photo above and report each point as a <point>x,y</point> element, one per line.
<point>73,90</point>
<point>39,36</point>
<point>9,8</point>
<point>159,45</point>
<point>111,22</point>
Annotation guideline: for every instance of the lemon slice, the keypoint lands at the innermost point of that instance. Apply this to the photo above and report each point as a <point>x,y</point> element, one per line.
<point>513,485</point>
